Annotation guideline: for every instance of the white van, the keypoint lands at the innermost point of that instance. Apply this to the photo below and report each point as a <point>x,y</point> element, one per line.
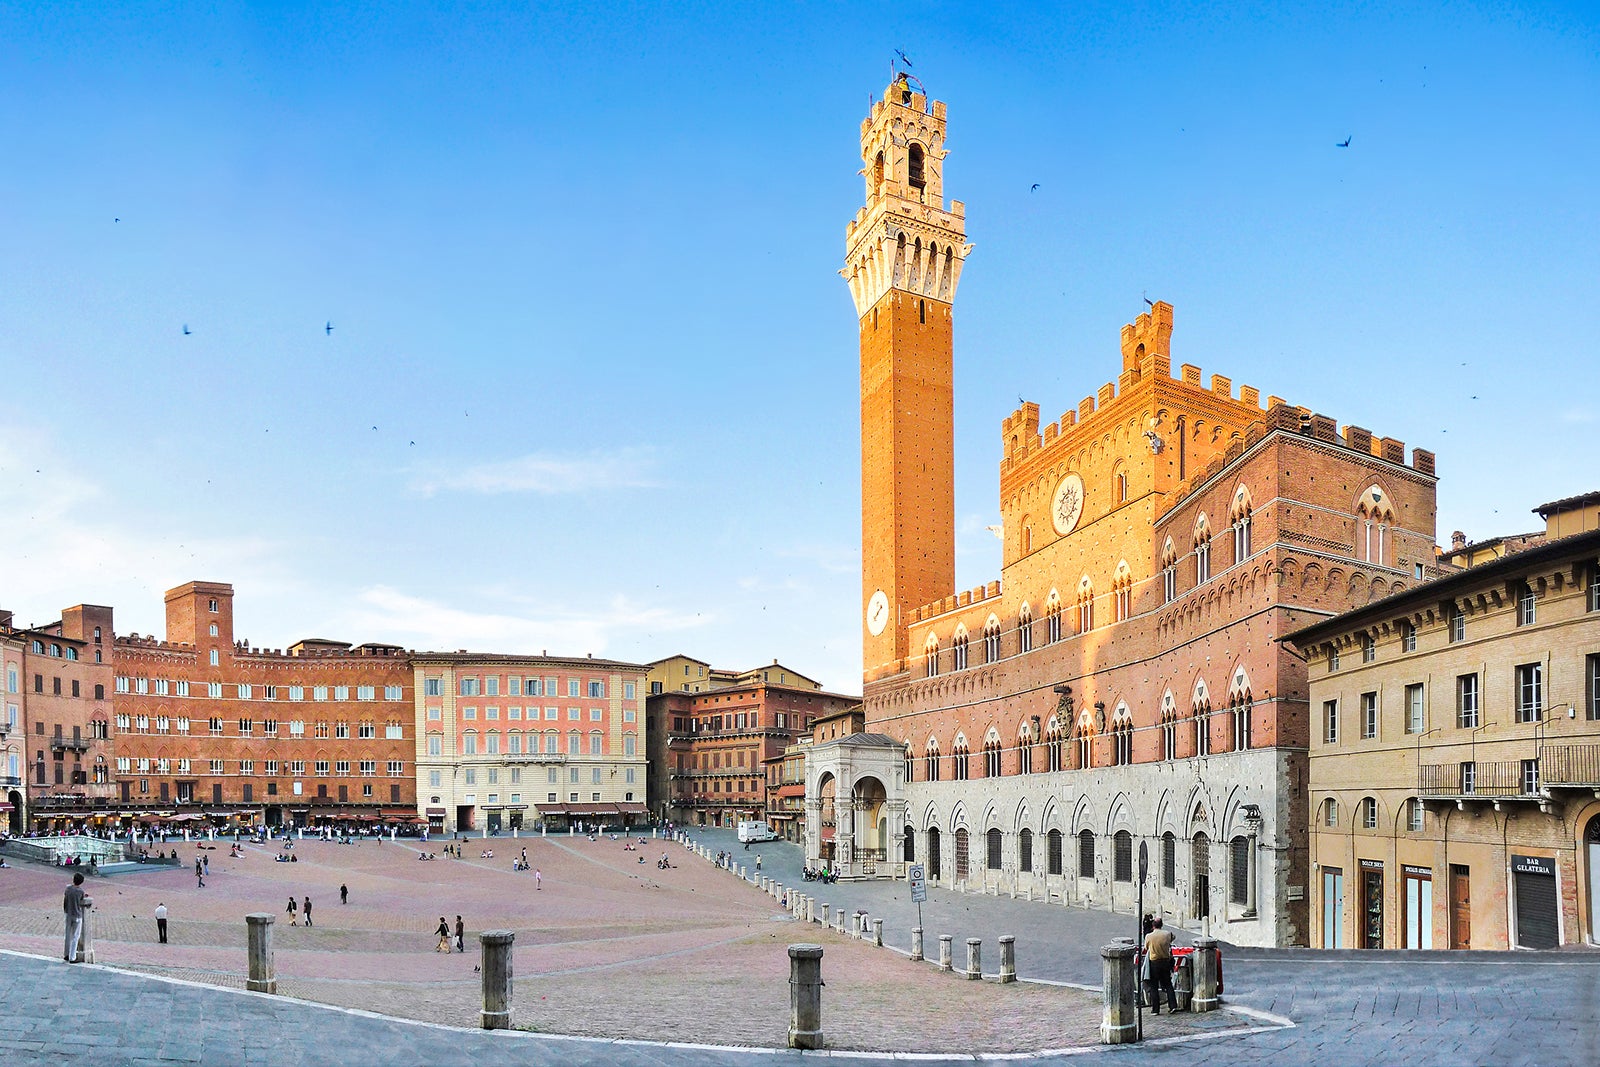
<point>756,831</point>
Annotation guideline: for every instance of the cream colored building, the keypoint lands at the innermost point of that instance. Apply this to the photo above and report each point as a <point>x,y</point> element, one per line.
<point>1455,755</point>
<point>504,742</point>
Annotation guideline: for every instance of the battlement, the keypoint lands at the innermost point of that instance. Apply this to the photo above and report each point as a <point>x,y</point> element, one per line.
<point>1301,421</point>
<point>966,599</point>
<point>1146,358</point>
<point>136,643</point>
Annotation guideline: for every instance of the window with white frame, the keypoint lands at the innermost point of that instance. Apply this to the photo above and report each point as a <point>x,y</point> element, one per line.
<point>1369,813</point>
<point>1527,606</point>
<point>1415,712</point>
<point>1530,692</point>
<point>1369,715</point>
<point>1330,722</point>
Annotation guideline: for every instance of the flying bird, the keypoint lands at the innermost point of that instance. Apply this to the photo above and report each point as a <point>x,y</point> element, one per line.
<point>1344,143</point>
<point>1035,188</point>
<point>328,329</point>
<point>1149,302</point>
<point>904,58</point>
<point>186,329</point>
<point>116,220</point>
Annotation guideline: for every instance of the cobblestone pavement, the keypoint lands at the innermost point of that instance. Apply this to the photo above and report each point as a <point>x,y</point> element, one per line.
<point>607,947</point>
<point>1362,1008</point>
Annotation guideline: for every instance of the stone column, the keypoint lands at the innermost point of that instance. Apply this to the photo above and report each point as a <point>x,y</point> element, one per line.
<point>1118,1024</point>
<point>877,932</point>
<point>805,996</point>
<point>916,944</point>
<point>944,952</point>
<point>85,949</point>
<point>1204,962</point>
<point>263,970</point>
<point>496,967</point>
<point>811,909</point>
<point>1008,958</point>
<point>974,970</point>
<point>827,913</point>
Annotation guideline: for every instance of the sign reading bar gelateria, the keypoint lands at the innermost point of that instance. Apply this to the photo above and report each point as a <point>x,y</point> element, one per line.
<point>1533,865</point>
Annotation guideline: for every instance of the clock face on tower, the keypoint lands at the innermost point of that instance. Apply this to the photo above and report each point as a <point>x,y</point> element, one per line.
<point>877,613</point>
<point>1067,504</point>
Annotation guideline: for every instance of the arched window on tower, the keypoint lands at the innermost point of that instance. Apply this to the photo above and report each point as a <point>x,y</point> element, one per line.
<point>877,173</point>
<point>1052,619</point>
<point>1024,629</point>
<point>914,169</point>
<point>1085,605</point>
<point>930,652</point>
<point>958,649</point>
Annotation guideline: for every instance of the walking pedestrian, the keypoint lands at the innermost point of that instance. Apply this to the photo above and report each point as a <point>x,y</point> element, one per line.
<point>444,936</point>
<point>344,894</point>
<point>161,923</point>
<point>758,863</point>
<point>461,935</point>
<point>1158,950</point>
<point>307,910</point>
<point>538,878</point>
<point>292,911</point>
<point>199,876</point>
<point>74,904</point>
<point>205,864</point>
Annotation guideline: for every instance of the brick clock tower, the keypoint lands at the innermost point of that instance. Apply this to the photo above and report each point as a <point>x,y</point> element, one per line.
<point>904,252</point>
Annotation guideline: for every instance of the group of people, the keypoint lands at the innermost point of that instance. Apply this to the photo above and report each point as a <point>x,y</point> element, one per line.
<point>443,933</point>
<point>826,875</point>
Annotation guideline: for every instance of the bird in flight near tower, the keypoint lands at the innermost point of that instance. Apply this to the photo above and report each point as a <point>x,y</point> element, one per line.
<point>328,328</point>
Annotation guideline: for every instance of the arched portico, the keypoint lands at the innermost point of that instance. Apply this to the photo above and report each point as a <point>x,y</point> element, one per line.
<point>855,806</point>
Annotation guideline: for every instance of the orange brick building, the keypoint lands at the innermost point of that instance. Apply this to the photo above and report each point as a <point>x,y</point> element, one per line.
<point>57,719</point>
<point>708,749</point>
<point>205,724</point>
<point>1122,683</point>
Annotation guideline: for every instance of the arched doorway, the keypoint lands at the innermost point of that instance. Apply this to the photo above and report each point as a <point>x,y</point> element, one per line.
<point>933,853</point>
<point>14,798</point>
<point>870,839</point>
<point>910,846</point>
<point>1200,875</point>
<point>827,790</point>
<point>1591,848</point>
<point>961,855</point>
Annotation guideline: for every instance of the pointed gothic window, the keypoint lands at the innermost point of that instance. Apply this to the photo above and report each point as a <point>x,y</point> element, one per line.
<point>914,169</point>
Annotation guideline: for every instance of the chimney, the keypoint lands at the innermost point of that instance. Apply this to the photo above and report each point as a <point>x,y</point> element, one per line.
<point>1458,541</point>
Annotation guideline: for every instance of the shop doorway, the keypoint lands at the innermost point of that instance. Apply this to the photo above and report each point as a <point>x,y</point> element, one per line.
<point>494,818</point>
<point>1534,878</point>
<point>933,853</point>
<point>1332,907</point>
<point>1460,906</point>
<point>1418,882</point>
<point>1371,904</point>
<point>961,855</point>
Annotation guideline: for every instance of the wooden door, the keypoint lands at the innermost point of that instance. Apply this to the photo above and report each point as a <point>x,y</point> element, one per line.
<point>1460,906</point>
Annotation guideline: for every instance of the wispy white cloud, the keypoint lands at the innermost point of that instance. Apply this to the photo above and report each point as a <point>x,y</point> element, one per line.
<point>1578,415</point>
<point>69,540</point>
<point>545,473</point>
<point>423,623</point>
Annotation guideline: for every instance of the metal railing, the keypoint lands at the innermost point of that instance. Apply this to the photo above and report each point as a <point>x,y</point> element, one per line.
<point>1570,765</point>
<point>1496,778</point>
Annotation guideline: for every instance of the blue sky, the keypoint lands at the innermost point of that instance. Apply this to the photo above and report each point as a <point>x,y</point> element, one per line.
<point>592,380</point>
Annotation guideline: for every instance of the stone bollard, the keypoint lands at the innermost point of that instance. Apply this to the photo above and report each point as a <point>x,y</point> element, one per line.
<point>263,976</point>
<point>827,912</point>
<point>944,952</point>
<point>85,948</point>
<point>877,932</point>
<point>916,944</point>
<point>974,970</point>
<point>1204,962</point>
<point>805,996</point>
<point>1008,958</point>
<point>838,922</point>
<point>811,909</point>
<point>1183,982</point>
<point>496,967</point>
<point>1118,1023</point>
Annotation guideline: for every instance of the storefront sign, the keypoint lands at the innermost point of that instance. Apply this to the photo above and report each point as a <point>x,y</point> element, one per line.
<point>1420,872</point>
<point>1371,865</point>
<point>1533,865</point>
